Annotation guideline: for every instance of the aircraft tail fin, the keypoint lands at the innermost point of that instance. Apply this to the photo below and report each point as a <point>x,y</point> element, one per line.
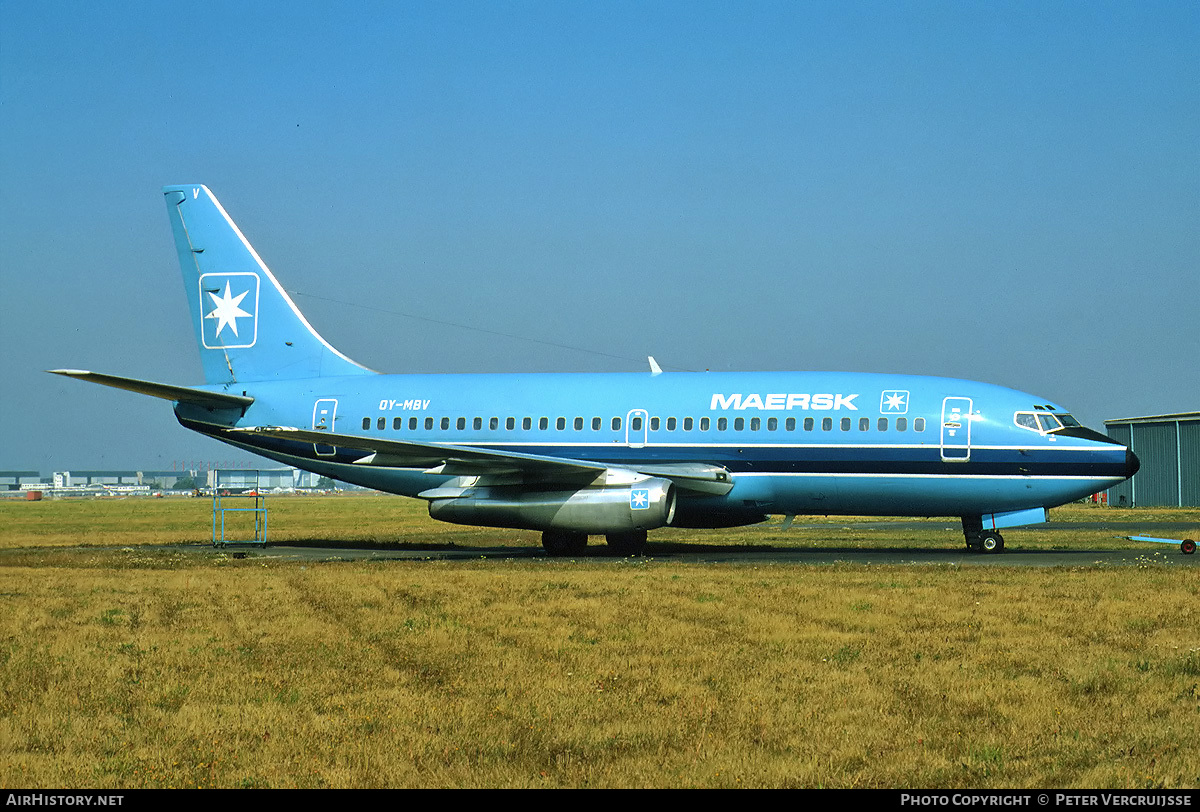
<point>247,327</point>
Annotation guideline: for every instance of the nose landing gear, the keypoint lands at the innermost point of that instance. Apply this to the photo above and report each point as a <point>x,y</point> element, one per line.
<point>980,540</point>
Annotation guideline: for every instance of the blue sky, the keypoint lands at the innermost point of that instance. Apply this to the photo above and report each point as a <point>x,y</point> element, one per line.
<point>1000,191</point>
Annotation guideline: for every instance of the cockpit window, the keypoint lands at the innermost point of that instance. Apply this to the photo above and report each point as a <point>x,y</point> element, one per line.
<point>1049,422</point>
<point>1045,422</point>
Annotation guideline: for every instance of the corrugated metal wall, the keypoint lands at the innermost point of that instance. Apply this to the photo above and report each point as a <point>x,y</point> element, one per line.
<point>1189,461</point>
<point>1158,480</point>
<point>1122,495</point>
<point>1169,450</point>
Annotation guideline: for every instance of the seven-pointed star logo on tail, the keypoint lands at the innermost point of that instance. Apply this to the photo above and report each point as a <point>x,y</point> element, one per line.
<point>227,311</point>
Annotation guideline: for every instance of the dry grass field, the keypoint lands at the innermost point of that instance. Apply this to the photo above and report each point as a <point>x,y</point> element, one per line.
<point>131,664</point>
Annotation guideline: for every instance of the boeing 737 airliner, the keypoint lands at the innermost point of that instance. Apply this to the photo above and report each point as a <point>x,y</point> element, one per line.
<point>574,455</point>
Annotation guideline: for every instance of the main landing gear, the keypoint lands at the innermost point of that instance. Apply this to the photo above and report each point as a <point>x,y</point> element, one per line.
<point>631,543</point>
<point>980,540</point>
<point>565,542</point>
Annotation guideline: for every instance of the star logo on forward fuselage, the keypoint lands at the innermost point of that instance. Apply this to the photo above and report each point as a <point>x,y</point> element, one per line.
<point>894,401</point>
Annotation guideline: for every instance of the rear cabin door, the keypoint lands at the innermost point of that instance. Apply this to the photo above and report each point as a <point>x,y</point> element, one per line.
<point>324,412</point>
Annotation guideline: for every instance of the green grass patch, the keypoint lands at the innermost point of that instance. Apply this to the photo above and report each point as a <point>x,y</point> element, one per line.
<point>129,664</point>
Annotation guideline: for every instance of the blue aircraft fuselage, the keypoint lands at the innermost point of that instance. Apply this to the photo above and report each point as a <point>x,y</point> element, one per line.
<point>793,442</point>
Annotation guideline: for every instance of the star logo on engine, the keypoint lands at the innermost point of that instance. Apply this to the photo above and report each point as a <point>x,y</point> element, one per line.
<point>227,300</point>
<point>639,499</point>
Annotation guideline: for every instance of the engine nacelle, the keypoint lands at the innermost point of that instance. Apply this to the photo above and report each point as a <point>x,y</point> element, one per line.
<point>644,505</point>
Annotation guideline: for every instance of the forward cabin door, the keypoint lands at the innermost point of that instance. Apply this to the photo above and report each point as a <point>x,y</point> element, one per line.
<point>956,430</point>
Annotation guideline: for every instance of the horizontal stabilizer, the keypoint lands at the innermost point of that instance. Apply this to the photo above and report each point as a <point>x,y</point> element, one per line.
<point>166,391</point>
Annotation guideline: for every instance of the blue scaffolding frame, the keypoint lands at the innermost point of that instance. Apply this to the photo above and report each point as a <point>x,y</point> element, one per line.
<point>219,510</point>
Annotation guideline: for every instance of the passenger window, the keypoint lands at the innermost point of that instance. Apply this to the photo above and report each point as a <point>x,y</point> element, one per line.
<point>808,424</point>
<point>397,422</point>
<point>882,424</point>
<point>704,424</point>
<point>756,424</point>
<point>671,424</point>
<point>526,423</point>
<point>445,423</point>
<point>845,424</point>
<point>901,424</point>
<point>381,423</point>
<point>687,424</point>
<point>919,424</point>
<point>739,423</point>
<point>790,424</point>
<point>412,424</point>
<point>429,424</point>
<point>461,423</point>
<point>477,423</point>
<point>826,424</point>
<point>616,424</point>
<point>543,423</point>
<point>772,424</point>
<point>510,423</point>
<point>366,424</point>
<point>654,424</point>
<point>596,423</point>
<point>722,423</point>
<point>560,423</point>
<point>579,424</point>
<point>494,423</point>
<point>864,424</point>
<point>635,424</point>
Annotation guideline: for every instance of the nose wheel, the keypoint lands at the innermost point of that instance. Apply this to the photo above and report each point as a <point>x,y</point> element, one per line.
<point>980,540</point>
<point>989,541</point>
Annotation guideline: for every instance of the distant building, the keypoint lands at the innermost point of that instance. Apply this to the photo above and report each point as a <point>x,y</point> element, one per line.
<point>85,483</point>
<point>15,480</point>
<point>1168,446</point>
<point>263,479</point>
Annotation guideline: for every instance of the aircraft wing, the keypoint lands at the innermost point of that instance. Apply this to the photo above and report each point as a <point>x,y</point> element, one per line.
<point>461,460</point>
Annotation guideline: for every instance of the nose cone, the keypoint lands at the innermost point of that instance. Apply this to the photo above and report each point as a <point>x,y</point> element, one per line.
<point>1132,463</point>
